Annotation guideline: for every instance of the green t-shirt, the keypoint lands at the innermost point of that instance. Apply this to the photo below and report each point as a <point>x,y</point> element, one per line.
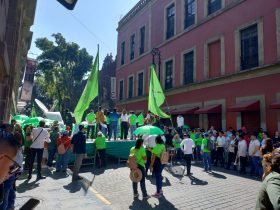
<point>133,119</point>
<point>177,143</point>
<point>158,149</point>
<point>204,142</point>
<point>53,136</point>
<point>91,117</point>
<point>100,142</point>
<point>192,136</point>
<point>27,144</point>
<point>108,120</point>
<point>140,119</point>
<point>139,154</point>
<point>199,141</point>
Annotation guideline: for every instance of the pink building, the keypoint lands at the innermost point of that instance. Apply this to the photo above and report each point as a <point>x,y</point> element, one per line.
<point>220,60</point>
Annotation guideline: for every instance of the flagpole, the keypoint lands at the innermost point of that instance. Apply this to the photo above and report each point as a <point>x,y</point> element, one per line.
<point>98,98</point>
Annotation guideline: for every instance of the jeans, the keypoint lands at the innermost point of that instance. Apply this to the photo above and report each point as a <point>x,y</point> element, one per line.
<point>188,159</point>
<point>207,161</point>
<point>158,167</point>
<point>231,158</point>
<point>90,131</point>
<point>220,156</point>
<point>124,130</point>
<point>243,161</point>
<point>132,129</point>
<point>142,183</point>
<point>113,128</point>
<point>27,160</point>
<point>255,165</point>
<point>51,152</point>
<point>179,154</point>
<point>213,156</point>
<point>77,165</point>
<point>9,194</point>
<point>39,153</point>
<point>198,149</point>
<point>148,161</point>
<point>101,154</point>
<point>62,161</point>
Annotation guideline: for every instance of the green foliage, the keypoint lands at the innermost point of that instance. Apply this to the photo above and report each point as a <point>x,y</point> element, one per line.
<point>62,67</point>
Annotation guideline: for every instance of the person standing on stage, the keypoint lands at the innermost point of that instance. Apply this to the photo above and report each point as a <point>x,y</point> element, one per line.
<point>180,124</point>
<point>132,123</point>
<point>90,118</point>
<point>140,119</point>
<point>124,124</point>
<point>100,121</point>
<point>114,119</point>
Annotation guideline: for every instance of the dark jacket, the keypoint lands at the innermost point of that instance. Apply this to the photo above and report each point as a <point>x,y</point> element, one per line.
<point>269,193</point>
<point>79,142</point>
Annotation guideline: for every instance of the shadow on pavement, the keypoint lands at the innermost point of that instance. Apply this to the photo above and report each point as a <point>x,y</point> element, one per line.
<point>196,181</point>
<point>73,187</point>
<point>216,175</point>
<point>163,204</point>
<point>26,185</point>
<point>165,181</point>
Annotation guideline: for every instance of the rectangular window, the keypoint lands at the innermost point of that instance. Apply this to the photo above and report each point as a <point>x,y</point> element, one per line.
<point>140,84</point>
<point>142,40</point>
<point>249,47</point>
<point>169,74</point>
<point>132,46</point>
<point>130,87</point>
<point>170,21</point>
<point>121,91</point>
<point>123,53</point>
<point>214,5</point>
<point>189,13</point>
<point>188,67</point>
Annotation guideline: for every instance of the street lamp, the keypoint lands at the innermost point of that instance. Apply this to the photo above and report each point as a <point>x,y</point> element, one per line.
<point>156,52</point>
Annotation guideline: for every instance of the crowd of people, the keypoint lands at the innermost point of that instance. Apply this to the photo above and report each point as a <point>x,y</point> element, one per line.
<point>230,149</point>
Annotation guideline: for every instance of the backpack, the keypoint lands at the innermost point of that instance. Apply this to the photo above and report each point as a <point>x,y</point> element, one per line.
<point>164,157</point>
<point>210,145</point>
<point>131,162</point>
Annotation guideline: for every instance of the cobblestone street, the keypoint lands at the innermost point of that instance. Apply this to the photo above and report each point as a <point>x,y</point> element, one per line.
<point>219,190</point>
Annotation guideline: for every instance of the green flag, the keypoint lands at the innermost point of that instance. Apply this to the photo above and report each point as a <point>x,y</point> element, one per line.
<point>156,96</point>
<point>90,92</point>
<point>33,111</point>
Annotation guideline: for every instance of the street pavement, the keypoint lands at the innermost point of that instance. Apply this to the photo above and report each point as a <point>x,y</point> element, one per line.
<point>221,189</point>
<point>58,191</point>
<point>112,189</point>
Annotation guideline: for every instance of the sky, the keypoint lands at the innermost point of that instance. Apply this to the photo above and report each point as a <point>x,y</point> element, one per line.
<point>92,22</point>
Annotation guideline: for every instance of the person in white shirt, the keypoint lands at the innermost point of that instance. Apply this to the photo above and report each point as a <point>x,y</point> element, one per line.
<point>221,142</point>
<point>39,136</point>
<point>254,153</point>
<point>150,143</point>
<point>232,149</point>
<point>180,124</point>
<point>124,124</point>
<point>187,146</point>
<point>242,153</point>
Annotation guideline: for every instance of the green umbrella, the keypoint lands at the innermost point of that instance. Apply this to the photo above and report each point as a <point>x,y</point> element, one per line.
<point>148,130</point>
<point>20,117</point>
<point>84,123</point>
<point>34,121</point>
<point>186,127</point>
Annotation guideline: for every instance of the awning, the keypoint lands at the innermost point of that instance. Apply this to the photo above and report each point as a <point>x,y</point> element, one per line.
<point>184,111</point>
<point>243,107</point>
<point>215,109</point>
<point>275,105</point>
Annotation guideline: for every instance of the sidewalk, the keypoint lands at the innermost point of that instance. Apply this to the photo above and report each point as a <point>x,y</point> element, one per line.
<point>58,191</point>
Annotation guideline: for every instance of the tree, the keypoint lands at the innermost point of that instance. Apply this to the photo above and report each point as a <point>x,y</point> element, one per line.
<point>61,71</point>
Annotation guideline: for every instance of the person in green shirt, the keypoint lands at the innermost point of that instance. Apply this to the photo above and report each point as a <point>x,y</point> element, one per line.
<point>176,141</point>
<point>206,153</point>
<point>140,119</point>
<point>132,121</point>
<point>156,165</point>
<point>198,143</point>
<point>90,118</point>
<point>140,158</point>
<point>52,146</point>
<point>269,192</point>
<point>100,145</point>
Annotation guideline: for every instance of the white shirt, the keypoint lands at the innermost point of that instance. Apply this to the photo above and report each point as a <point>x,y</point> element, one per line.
<point>39,139</point>
<point>124,118</point>
<point>187,146</point>
<point>252,146</point>
<point>150,141</point>
<point>221,141</point>
<point>242,148</point>
<point>231,145</point>
<point>180,121</point>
